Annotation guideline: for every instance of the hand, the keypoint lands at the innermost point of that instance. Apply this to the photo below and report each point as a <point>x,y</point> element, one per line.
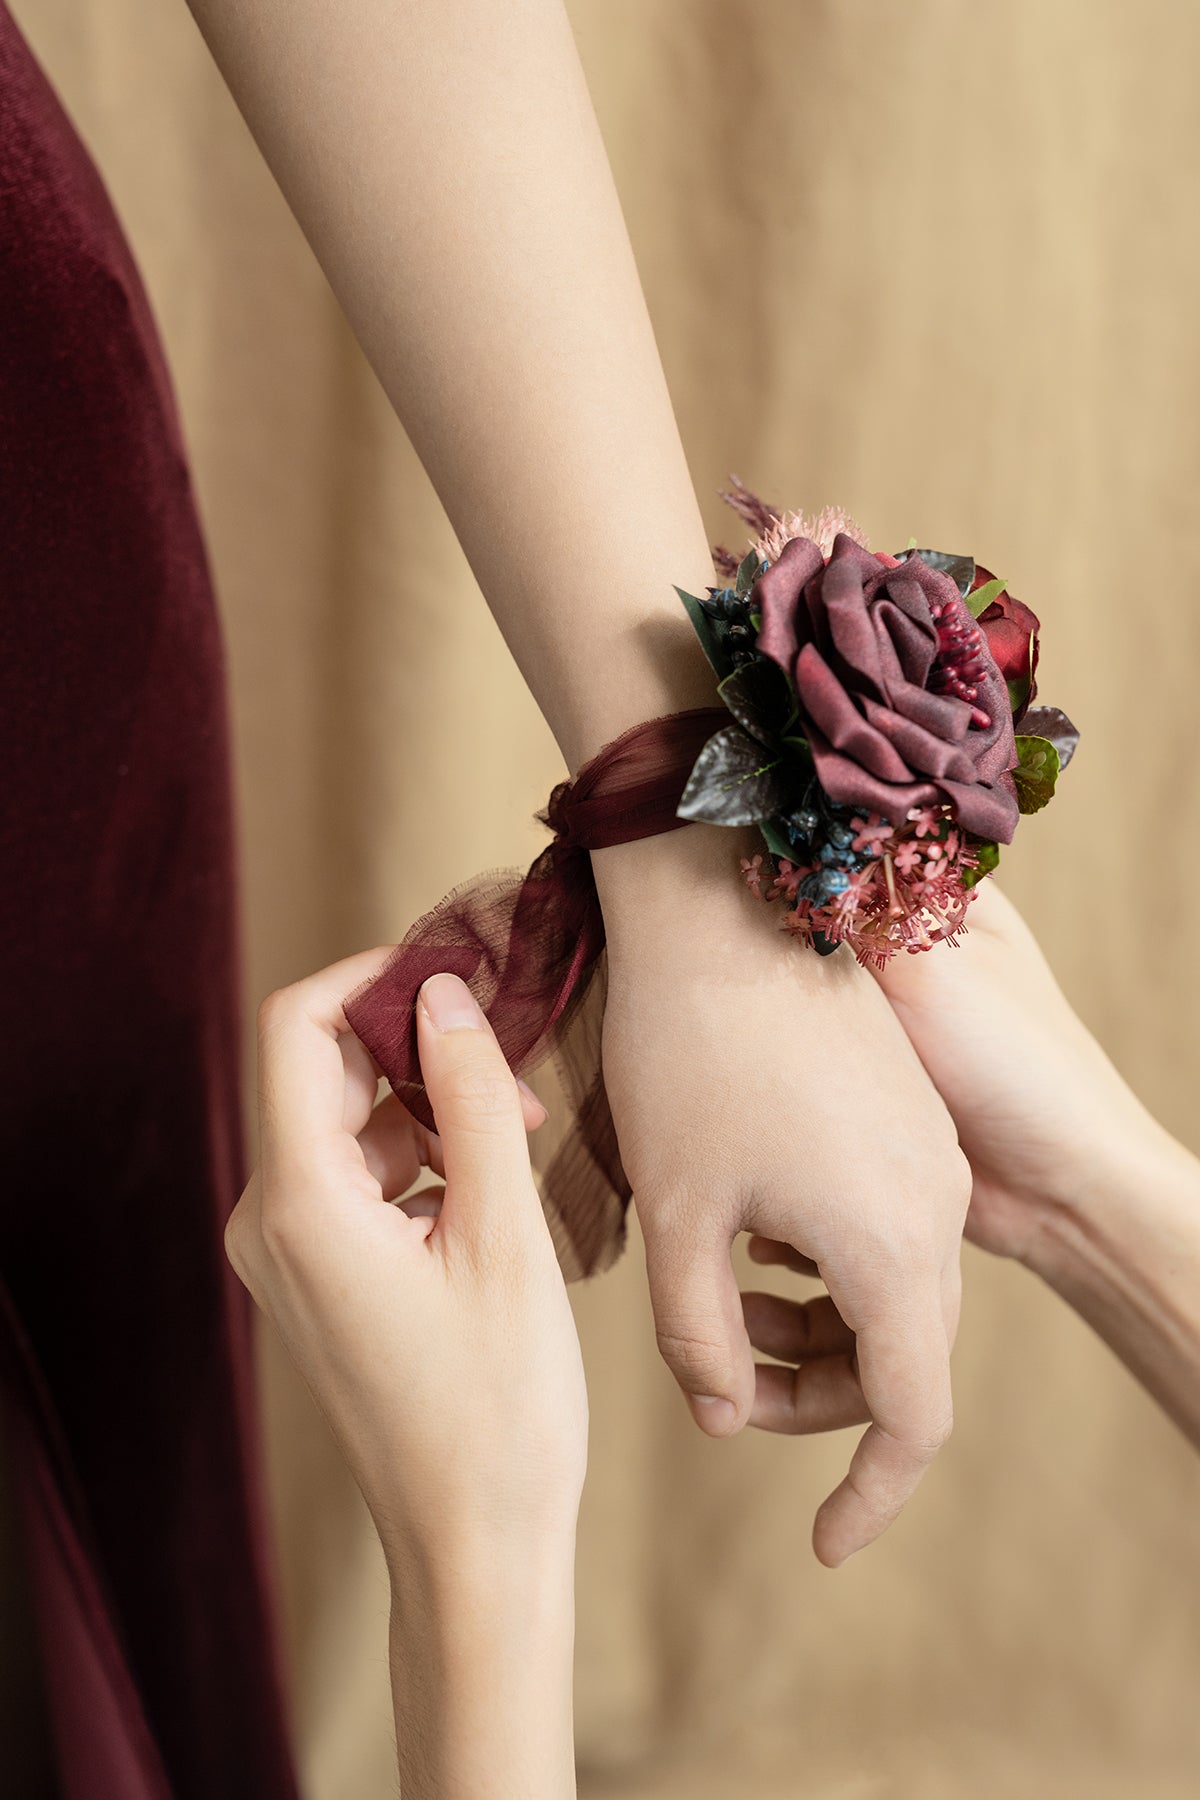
<point>436,1335</point>
<point>1072,1176</point>
<point>757,1087</point>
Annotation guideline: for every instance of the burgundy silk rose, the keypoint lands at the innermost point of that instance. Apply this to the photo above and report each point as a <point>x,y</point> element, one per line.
<point>880,653</point>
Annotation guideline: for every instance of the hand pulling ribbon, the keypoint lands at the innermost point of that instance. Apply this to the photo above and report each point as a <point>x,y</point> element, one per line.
<point>529,947</point>
<point>879,731</point>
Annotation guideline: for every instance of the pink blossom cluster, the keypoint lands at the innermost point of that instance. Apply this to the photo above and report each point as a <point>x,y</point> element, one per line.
<point>909,895</point>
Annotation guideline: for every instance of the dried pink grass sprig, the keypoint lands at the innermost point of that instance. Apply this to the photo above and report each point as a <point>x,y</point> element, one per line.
<point>773,529</point>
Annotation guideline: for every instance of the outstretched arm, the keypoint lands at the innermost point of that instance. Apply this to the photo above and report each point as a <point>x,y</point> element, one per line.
<point>445,163</point>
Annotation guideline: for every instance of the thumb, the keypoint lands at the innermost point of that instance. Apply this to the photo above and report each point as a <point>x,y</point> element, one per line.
<point>699,1322</point>
<point>476,1102</point>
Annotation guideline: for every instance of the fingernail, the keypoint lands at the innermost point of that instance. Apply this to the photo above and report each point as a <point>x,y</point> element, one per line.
<point>450,1004</point>
<point>713,1413</point>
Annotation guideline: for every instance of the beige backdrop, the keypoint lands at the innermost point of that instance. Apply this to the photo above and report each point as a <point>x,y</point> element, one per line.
<point>937,262</point>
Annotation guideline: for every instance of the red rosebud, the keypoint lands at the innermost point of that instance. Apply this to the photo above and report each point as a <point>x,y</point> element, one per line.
<point>1011,629</point>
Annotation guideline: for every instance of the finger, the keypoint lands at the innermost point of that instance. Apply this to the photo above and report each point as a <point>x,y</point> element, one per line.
<point>795,1332</point>
<point>532,1109</point>
<point>952,1297</point>
<point>824,1395</point>
<point>698,1320</point>
<point>360,1083</point>
<point>770,1250</point>
<point>425,1205</point>
<point>301,1069</point>
<point>476,1103</point>
<point>904,1369</point>
<point>396,1147</point>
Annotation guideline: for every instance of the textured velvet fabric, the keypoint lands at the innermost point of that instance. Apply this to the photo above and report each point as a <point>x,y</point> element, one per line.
<point>123,1337</point>
<point>529,948</point>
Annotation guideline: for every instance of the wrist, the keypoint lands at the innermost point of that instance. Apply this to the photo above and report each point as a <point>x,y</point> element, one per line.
<point>1134,1202</point>
<point>1129,1264</point>
<point>458,1564</point>
<point>696,868</point>
<point>482,1636</point>
<point>655,667</point>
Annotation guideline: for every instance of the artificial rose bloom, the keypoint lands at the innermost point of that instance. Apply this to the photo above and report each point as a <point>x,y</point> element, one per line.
<point>873,649</point>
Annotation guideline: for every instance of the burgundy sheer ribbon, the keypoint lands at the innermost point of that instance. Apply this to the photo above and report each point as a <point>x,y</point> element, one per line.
<point>531,950</point>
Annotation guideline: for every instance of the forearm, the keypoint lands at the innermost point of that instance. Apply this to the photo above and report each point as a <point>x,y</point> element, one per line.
<point>481,1656</point>
<point>1126,1256</point>
<point>446,166</point>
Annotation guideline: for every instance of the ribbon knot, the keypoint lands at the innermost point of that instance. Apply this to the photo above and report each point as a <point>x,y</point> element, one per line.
<point>528,947</point>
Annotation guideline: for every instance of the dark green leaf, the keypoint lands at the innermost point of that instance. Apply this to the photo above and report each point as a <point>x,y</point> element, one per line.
<point>1019,690</point>
<point>989,855</point>
<point>734,782</point>
<point>705,632</point>
<point>1036,772</point>
<point>776,840</point>
<point>961,569</point>
<point>759,698</point>
<point>983,596</point>
<point>747,570</point>
<point>1049,722</point>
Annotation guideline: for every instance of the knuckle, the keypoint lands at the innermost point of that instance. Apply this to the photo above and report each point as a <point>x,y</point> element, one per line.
<point>923,1445</point>
<point>669,1216</point>
<point>242,1244</point>
<point>869,1502</point>
<point>283,1243</point>
<point>482,1092</point>
<point>697,1360</point>
<point>272,1011</point>
<point>960,1180</point>
<point>235,1245</point>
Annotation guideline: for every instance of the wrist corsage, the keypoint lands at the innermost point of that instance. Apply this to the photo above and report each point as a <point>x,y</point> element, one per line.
<point>876,723</point>
<point>882,737</point>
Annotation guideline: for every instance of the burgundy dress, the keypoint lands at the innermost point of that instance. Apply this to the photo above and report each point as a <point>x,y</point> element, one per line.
<point>124,1346</point>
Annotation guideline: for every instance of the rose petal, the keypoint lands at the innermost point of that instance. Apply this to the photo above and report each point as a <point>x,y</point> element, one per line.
<point>837,605</point>
<point>942,714</point>
<point>989,812</point>
<point>777,594</point>
<point>923,752</point>
<point>848,784</point>
<point>912,641</point>
<point>825,703</point>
